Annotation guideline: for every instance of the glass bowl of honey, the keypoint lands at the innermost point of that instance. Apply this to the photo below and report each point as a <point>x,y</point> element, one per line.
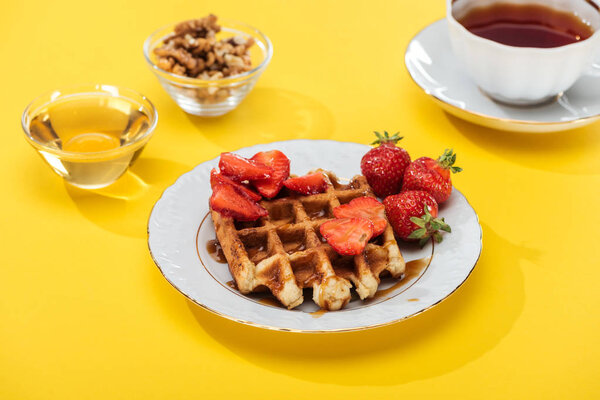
<point>90,135</point>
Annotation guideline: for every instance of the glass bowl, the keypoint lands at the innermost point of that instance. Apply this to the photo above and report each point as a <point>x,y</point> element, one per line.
<point>211,98</point>
<point>91,134</point>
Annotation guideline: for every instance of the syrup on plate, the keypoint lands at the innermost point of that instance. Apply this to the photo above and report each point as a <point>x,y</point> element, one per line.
<point>413,270</point>
<point>213,247</point>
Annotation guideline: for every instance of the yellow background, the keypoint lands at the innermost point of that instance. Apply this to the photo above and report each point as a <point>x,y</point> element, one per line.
<point>87,315</point>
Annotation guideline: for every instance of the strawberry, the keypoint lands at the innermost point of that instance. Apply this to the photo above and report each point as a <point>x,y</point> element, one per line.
<point>364,207</point>
<point>280,164</point>
<point>384,166</point>
<point>308,184</point>
<point>216,178</point>
<point>241,169</point>
<point>413,215</point>
<point>431,175</point>
<point>347,236</point>
<point>231,202</point>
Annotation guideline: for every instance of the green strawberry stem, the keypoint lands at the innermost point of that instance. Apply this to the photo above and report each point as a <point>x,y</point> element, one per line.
<point>447,161</point>
<point>386,138</point>
<point>428,227</point>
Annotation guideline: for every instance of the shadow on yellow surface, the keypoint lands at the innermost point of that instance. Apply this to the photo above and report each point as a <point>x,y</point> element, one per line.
<point>475,319</point>
<point>568,152</point>
<point>124,206</point>
<point>275,114</point>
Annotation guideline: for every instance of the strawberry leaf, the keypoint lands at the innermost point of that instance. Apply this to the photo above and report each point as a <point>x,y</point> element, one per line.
<point>435,225</point>
<point>447,161</point>
<point>428,227</point>
<point>418,221</point>
<point>444,226</point>
<point>386,138</point>
<point>418,233</point>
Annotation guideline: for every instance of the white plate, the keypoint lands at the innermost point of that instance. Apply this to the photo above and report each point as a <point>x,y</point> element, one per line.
<point>432,65</point>
<point>179,228</point>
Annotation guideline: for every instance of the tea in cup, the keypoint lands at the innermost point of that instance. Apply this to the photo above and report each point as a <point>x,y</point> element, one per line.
<point>524,52</point>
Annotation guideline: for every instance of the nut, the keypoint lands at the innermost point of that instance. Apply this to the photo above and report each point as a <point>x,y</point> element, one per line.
<point>193,51</point>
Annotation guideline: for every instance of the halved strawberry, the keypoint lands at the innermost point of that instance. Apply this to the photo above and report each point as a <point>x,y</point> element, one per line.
<point>308,184</point>
<point>347,236</point>
<point>230,202</point>
<point>364,207</point>
<point>241,169</point>
<point>275,159</point>
<point>217,178</point>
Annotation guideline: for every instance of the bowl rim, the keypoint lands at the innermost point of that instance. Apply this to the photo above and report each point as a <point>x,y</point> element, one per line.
<point>226,25</point>
<point>89,89</point>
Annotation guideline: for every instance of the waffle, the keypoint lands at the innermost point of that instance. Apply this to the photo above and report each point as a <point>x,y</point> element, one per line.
<point>284,252</point>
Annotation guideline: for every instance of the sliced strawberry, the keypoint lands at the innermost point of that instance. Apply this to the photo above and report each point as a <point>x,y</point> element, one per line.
<point>308,184</point>
<point>217,178</point>
<point>364,207</point>
<point>230,202</point>
<point>241,169</point>
<point>347,236</point>
<point>275,159</point>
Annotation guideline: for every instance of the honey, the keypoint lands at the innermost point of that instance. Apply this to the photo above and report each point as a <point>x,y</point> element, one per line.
<point>90,139</point>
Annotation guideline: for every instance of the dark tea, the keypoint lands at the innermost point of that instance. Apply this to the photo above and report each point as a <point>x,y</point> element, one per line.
<point>526,25</point>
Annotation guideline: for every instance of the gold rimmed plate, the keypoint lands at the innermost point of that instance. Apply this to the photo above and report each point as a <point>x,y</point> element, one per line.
<point>434,68</point>
<point>180,230</point>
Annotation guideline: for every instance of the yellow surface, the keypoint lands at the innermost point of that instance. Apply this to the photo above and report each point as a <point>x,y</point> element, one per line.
<point>87,315</point>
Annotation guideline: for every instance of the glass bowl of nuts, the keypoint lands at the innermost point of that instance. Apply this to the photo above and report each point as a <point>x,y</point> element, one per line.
<point>208,67</point>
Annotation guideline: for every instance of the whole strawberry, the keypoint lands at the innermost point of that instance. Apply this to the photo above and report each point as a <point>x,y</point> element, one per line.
<point>413,215</point>
<point>431,175</point>
<point>384,165</point>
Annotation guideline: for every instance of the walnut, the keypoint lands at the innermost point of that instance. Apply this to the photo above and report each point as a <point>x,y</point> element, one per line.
<point>166,63</point>
<point>193,51</point>
<point>181,55</point>
<point>210,59</point>
<point>234,61</point>
<point>178,69</point>
<point>200,26</point>
<point>238,40</point>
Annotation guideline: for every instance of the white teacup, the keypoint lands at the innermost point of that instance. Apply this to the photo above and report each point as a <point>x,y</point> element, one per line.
<point>523,75</point>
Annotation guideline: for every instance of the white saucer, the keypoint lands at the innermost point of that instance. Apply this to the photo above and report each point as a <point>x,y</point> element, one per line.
<point>432,65</point>
<point>179,229</point>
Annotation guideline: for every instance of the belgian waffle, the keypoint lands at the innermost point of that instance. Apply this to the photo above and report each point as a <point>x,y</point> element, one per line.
<point>284,252</point>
